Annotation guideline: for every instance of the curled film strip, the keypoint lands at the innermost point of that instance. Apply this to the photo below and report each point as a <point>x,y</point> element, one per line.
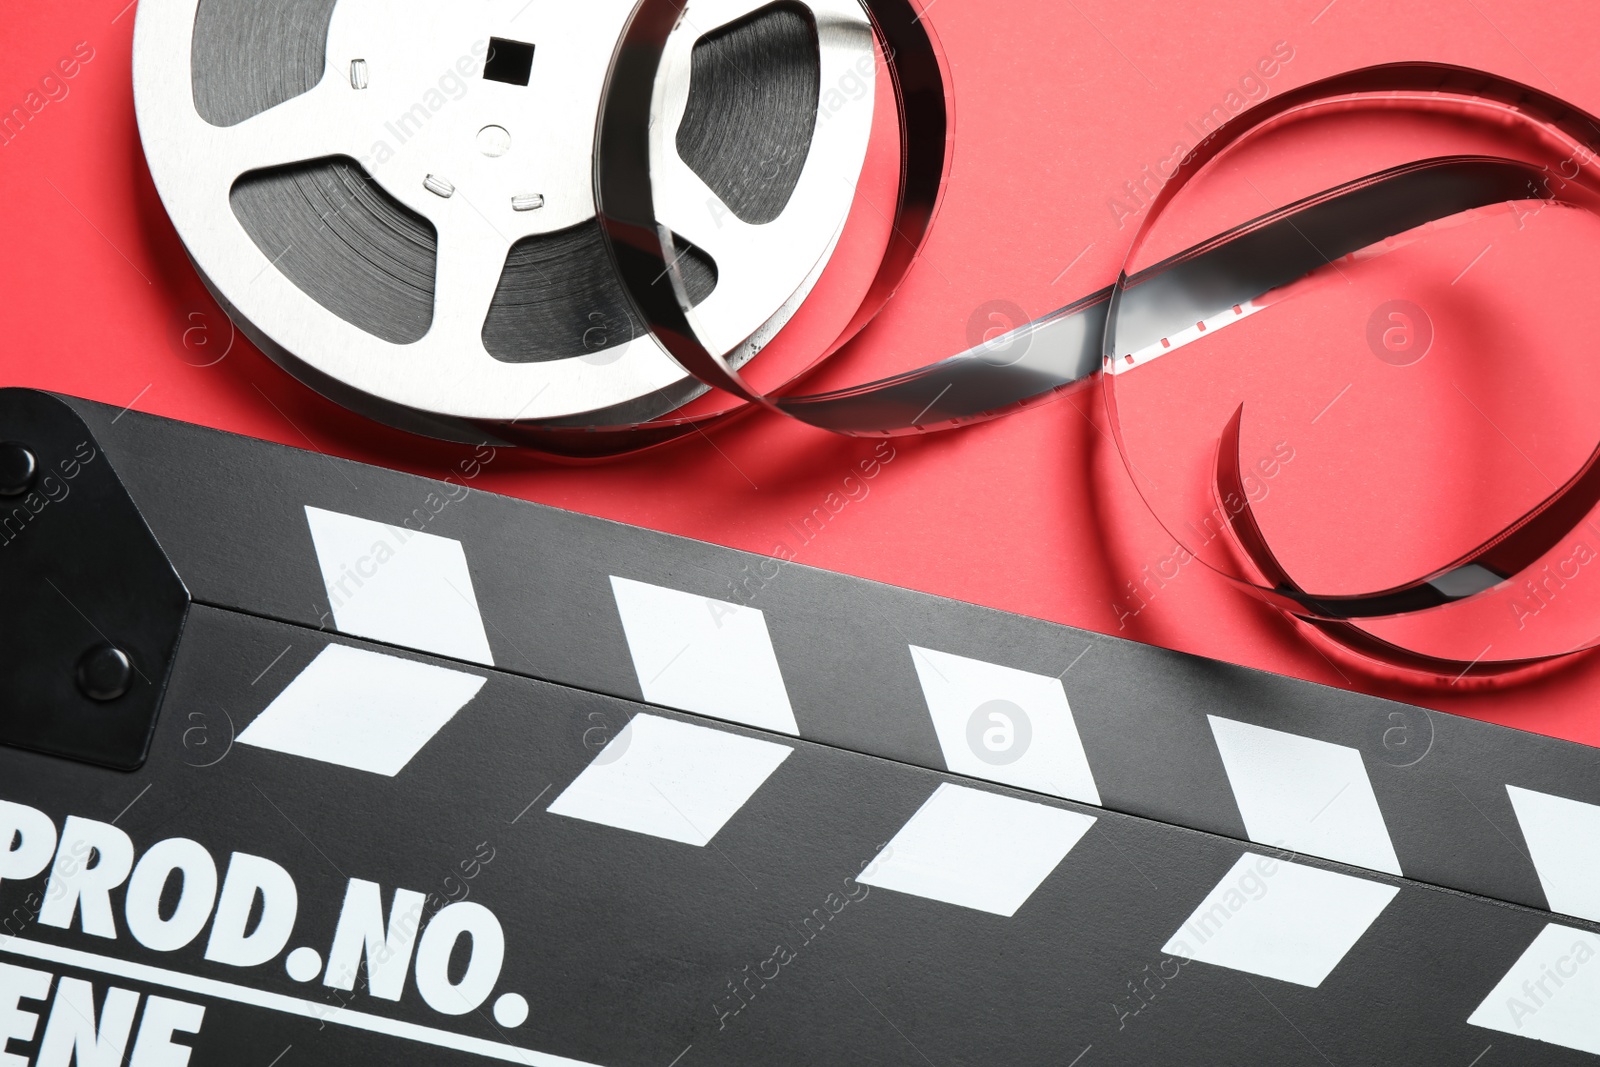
<point>611,299</point>
<point>1483,571</point>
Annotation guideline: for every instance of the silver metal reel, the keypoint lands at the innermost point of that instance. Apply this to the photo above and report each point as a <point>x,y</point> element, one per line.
<point>486,163</point>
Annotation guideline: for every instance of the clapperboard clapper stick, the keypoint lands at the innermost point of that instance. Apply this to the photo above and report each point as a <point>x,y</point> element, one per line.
<point>401,772</point>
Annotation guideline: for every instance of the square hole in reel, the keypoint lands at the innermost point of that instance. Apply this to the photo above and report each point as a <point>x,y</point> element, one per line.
<point>508,61</point>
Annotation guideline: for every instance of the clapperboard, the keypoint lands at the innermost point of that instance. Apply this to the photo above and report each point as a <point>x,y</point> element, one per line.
<point>310,762</point>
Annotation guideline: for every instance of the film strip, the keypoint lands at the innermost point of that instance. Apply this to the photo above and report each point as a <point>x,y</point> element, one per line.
<point>674,807</point>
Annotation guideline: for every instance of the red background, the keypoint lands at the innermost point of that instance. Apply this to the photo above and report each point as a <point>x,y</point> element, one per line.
<point>1058,103</point>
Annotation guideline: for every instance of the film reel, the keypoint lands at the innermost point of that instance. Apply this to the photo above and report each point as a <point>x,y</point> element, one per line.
<point>398,205</point>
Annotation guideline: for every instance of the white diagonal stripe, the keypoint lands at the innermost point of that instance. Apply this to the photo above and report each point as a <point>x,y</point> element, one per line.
<point>1552,992</point>
<point>1004,725</point>
<point>361,709</point>
<point>703,655</point>
<point>396,585</point>
<point>1280,920</point>
<point>1306,795</point>
<point>670,779</point>
<point>977,849</point>
<point>1564,840</point>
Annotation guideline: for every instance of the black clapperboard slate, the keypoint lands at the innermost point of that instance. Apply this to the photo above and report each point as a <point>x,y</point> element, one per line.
<point>406,772</point>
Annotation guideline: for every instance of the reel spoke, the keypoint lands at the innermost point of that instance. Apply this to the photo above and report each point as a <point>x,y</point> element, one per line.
<point>472,254</point>
<point>325,121</point>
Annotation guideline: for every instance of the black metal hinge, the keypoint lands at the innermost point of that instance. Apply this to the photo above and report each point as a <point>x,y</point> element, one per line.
<point>90,607</point>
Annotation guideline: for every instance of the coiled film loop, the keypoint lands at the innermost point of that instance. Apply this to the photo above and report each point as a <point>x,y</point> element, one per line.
<point>1306,261</point>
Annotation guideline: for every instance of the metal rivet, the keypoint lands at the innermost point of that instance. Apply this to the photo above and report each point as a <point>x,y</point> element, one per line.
<point>438,186</point>
<point>17,469</point>
<point>358,74</point>
<point>104,673</point>
<point>527,202</point>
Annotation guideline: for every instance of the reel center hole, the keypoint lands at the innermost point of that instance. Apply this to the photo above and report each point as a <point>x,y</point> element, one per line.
<point>494,141</point>
<point>508,61</point>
